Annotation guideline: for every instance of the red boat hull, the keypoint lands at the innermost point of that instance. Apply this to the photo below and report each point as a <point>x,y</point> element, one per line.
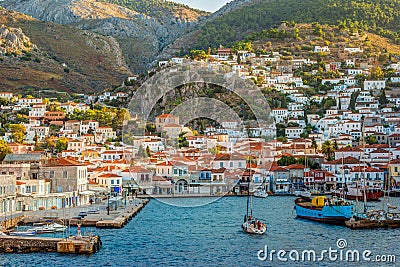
<point>371,196</point>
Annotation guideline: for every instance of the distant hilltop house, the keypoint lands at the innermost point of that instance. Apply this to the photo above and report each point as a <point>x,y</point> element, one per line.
<point>224,53</point>
<point>353,50</point>
<point>6,95</point>
<point>319,49</point>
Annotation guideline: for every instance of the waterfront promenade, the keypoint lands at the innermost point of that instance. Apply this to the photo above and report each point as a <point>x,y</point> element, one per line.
<point>95,215</point>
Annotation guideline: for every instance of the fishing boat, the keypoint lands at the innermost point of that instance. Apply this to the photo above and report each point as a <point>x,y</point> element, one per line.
<point>372,190</point>
<point>252,225</point>
<point>323,209</point>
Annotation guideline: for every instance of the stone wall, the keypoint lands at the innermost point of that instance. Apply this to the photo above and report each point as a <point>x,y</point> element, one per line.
<point>11,244</point>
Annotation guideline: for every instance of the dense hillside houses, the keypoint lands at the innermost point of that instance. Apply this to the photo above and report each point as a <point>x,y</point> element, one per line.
<point>328,134</point>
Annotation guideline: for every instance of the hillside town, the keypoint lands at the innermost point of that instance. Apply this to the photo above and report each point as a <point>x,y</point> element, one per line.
<point>62,154</point>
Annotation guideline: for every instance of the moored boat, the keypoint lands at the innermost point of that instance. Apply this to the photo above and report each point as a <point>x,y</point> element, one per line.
<point>22,233</point>
<point>356,191</point>
<point>302,193</point>
<point>323,209</point>
<point>260,194</point>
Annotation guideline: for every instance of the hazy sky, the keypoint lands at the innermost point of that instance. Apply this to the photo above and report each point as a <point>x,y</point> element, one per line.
<point>207,5</point>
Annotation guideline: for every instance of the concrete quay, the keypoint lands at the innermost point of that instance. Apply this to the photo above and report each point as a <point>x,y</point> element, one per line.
<point>94,215</point>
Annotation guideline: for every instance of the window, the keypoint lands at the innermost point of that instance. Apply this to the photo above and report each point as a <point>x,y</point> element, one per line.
<point>231,164</point>
<point>221,164</point>
<point>51,174</point>
<point>34,189</point>
<point>117,181</point>
<point>112,181</point>
<point>240,165</point>
<point>59,189</point>
<point>65,174</point>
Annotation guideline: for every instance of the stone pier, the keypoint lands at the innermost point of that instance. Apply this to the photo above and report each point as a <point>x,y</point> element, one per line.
<point>17,244</point>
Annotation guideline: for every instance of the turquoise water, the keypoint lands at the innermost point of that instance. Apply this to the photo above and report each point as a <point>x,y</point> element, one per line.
<point>210,235</point>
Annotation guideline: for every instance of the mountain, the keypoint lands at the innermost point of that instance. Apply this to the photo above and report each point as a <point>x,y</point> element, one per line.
<point>141,28</point>
<point>41,55</point>
<point>378,16</point>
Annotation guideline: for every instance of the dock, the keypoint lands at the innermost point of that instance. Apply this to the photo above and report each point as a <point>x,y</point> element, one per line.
<point>372,224</point>
<point>74,245</point>
<point>100,219</point>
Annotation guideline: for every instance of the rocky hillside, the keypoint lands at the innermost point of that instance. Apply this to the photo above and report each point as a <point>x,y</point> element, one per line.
<point>141,28</point>
<point>43,55</point>
<point>378,16</point>
<point>13,41</point>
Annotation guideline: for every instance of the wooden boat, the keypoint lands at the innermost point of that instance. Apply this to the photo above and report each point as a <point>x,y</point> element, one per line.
<point>323,209</point>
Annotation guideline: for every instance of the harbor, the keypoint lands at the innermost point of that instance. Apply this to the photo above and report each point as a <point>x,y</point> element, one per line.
<point>98,216</point>
<point>89,216</point>
<point>159,223</point>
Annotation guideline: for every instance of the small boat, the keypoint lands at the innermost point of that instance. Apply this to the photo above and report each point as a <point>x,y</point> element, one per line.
<point>250,224</point>
<point>45,229</point>
<point>253,226</point>
<point>302,193</point>
<point>322,209</point>
<point>356,191</point>
<point>260,193</point>
<point>22,233</point>
<point>58,227</point>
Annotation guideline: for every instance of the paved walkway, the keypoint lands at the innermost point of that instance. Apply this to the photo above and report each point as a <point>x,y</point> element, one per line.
<point>95,211</point>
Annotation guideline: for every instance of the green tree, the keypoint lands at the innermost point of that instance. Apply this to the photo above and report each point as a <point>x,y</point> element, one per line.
<point>377,73</point>
<point>142,152</point>
<point>286,160</point>
<point>327,150</point>
<point>314,144</point>
<point>215,150</point>
<point>148,152</point>
<point>353,98</point>
<point>17,132</point>
<point>371,139</point>
<point>61,144</point>
<point>4,149</point>
<point>382,98</point>
<point>198,54</point>
<point>182,140</point>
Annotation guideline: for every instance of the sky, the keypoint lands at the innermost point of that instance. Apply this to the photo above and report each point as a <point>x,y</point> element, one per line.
<point>207,5</point>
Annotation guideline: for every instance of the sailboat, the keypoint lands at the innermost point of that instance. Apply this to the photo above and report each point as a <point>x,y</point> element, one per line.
<point>251,225</point>
<point>387,217</point>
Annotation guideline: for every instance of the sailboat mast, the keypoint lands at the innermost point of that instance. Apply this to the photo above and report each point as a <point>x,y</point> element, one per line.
<point>248,195</point>
<point>364,186</point>
<point>387,185</point>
